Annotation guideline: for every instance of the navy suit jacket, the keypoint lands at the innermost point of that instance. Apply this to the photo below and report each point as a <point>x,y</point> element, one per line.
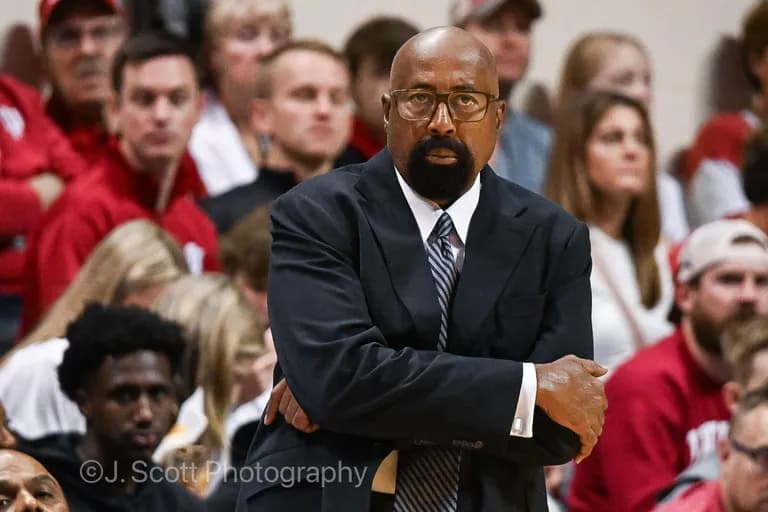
<point>355,319</point>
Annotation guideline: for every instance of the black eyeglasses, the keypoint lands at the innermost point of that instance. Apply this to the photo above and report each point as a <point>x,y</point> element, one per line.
<point>421,104</point>
<point>757,455</point>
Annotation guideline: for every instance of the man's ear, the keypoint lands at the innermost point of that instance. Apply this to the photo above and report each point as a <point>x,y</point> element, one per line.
<point>757,63</point>
<point>386,105</point>
<point>112,113</point>
<point>685,297</point>
<point>262,117</point>
<point>723,449</point>
<point>84,404</point>
<point>731,395</point>
<point>501,114</point>
<point>199,104</point>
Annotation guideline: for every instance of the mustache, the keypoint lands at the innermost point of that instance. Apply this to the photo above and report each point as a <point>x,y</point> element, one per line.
<point>431,143</point>
<point>90,65</point>
<point>745,312</point>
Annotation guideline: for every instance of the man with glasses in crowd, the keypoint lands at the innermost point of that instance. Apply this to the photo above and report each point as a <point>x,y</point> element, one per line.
<point>415,377</point>
<point>505,27</point>
<point>79,40</point>
<point>743,483</point>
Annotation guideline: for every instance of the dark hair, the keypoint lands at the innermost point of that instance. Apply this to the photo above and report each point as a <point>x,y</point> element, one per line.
<point>755,168</point>
<point>378,39</point>
<point>146,46</point>
<point>754,38</point>
<point>114,331</point>
<point>246,248</point>
<point>267,63</point>
<point>749,402</point>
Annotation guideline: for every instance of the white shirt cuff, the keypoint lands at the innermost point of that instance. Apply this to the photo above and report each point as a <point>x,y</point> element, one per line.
<point>522,425</point>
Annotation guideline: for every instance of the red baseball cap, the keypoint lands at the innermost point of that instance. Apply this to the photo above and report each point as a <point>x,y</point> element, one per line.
<point>47,7</point>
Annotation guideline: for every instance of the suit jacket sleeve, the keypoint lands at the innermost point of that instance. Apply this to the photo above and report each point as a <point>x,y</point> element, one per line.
<point>567,330</point>
<point>338,363</point>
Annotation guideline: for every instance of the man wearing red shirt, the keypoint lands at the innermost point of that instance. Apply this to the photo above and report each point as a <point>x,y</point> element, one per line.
<point>666,406</point>
<point>146,173</point>
<point>737,478</point>
<point>36,161</point>
<point>743,485</point>
<point>79,41</point>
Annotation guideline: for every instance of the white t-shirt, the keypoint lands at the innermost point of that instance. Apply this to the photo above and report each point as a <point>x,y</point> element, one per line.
<point>215,145</point>
<point>30,392</point>
<point>613,334</point>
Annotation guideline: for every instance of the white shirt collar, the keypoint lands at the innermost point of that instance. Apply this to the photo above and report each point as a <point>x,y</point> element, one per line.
<point>427,212</point>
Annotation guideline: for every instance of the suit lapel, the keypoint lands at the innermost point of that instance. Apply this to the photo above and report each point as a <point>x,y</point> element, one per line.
<point>398,236</point>
<point>496,240</point>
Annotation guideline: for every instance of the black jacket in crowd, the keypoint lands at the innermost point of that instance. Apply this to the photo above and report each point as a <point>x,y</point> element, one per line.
<point>87,488</point>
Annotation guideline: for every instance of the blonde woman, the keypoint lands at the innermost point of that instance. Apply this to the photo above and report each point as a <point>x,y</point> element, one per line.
<point>238,33</point>
<point>602,170</point>
<point>130,266</point>
<point>617,62</point>
<point>224,340</point>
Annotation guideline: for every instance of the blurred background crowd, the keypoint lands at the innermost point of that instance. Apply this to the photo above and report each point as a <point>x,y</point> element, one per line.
<point>142,142</point>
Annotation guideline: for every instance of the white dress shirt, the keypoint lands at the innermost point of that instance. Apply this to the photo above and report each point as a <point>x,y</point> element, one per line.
<point>215,145</point>
<point>427,213</point>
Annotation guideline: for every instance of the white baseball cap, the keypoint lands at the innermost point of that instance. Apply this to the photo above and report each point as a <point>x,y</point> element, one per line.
<point>722,240</point>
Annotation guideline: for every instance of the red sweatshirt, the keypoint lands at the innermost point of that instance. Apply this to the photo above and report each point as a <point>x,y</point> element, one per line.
<point>108,196</point>
<point>700,497</point>
<point>664,413</point>
<point>722,138</point>
<point>93,142</point>
<point>30,144</point>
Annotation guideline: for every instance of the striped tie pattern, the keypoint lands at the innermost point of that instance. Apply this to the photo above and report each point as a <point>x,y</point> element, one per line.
<point>428,476</point>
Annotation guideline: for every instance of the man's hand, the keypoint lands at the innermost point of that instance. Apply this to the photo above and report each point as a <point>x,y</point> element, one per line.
<point>569,392</point>
<point>48,188</point>
<point>282,400</point>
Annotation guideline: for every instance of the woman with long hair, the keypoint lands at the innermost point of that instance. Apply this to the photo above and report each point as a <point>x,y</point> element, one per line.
<point>618,62</point>
<point>225,339</point>
<point>130,266</point>
<point>602,170</point>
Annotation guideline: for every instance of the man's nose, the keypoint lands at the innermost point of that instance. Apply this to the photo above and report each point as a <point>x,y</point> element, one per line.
<point>161,109</point>
<point>748,291</point>
<point>88,44</point>
<point>25,502</point>
<point>144,414</point>
<point>323,106</point>
<point>441,123</point>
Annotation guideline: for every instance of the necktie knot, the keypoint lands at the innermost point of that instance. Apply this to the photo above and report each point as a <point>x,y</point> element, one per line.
<point>443,227</point>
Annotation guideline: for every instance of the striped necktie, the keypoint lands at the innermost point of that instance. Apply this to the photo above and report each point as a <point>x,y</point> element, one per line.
<point>428,476</point>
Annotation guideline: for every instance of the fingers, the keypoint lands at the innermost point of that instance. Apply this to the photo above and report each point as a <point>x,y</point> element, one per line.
<point>273,406</point>
<point>301,421</point>
<point>588,442</point>
<point>593,368</point>
<point>283,401</point>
